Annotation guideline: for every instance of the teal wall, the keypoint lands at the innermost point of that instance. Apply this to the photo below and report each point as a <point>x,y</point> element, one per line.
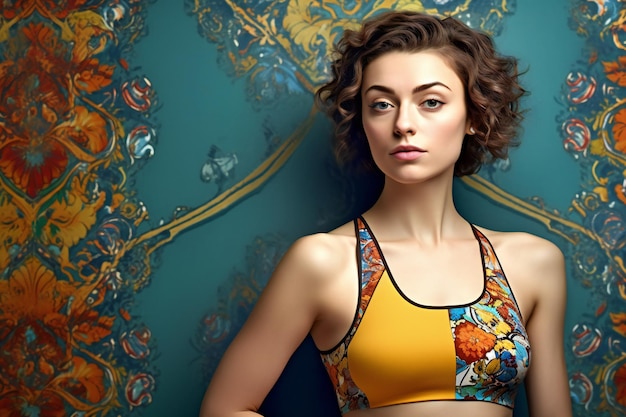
<point>202,105</point>
<point>158,309</point>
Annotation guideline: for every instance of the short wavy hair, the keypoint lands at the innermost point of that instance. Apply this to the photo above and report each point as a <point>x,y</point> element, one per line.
<point>491,82</point>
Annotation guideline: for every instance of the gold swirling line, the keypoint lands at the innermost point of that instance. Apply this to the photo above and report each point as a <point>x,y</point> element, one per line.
<point>243,188</point>
<point>498,195</point>
<point>549,219</point>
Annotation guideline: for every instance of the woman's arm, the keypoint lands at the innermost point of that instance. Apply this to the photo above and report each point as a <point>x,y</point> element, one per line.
<point>279,322</point>
<point>547,384</point>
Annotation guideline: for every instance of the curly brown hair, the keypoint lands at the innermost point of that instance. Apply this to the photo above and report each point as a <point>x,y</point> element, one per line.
<point>491,81</point>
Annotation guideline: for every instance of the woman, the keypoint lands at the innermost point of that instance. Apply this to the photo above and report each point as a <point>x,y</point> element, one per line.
<point>424,321</point>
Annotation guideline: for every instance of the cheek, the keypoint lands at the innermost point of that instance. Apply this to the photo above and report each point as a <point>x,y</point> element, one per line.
<point>449,127</point>
<point>369,129</point>
<point>375,135</point>
<point>377,127</point>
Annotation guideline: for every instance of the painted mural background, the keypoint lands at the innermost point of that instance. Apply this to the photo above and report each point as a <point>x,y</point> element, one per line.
<point>157,158</point>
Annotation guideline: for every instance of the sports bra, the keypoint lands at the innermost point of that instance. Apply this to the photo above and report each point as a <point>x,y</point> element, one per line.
<point>398,351</point>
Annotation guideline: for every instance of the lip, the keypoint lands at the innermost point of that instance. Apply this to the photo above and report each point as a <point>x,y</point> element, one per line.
<point>407,153</point>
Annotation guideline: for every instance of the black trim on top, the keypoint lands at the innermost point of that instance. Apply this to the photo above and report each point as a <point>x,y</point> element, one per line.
<point>412,302</point>
<point>519,310</point>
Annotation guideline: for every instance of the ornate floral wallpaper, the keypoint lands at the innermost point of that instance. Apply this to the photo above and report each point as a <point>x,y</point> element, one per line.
<point>592,128</point>
<point>80,122</point>
<point>75,125</point>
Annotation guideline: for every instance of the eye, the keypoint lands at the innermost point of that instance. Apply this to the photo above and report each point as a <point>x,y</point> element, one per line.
<point>381,105</point>
<point>432,103</point>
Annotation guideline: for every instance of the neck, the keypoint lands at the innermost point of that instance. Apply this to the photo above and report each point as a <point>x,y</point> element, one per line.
<point>423,211</point>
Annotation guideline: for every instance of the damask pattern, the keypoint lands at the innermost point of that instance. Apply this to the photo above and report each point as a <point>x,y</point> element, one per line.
<point>77,123</point>
<point>592,127</point>
<point>74,124</point>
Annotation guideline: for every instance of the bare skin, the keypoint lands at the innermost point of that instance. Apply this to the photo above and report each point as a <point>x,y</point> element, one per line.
<point>428,245</point>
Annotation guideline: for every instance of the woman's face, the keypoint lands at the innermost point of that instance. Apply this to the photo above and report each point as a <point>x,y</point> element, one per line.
<point>414,115</point>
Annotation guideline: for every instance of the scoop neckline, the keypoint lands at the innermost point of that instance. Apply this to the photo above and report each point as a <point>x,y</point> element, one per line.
<point>388,270</point>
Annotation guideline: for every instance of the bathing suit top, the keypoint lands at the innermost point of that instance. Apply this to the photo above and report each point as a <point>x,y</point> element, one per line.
<point>398,351</point>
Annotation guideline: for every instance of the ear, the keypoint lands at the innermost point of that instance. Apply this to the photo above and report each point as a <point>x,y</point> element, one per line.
<point>469,130</point>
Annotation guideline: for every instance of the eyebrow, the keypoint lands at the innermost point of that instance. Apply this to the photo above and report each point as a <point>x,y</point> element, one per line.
<point>417,89</point>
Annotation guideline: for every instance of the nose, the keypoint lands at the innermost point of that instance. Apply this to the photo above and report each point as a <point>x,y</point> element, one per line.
<point>405,122</point>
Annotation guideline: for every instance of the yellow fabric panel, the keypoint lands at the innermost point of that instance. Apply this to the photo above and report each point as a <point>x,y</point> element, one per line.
<point>401,352</point>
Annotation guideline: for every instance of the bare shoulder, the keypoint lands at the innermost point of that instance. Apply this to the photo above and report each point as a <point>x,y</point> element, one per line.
<point>318,254</point>
<point>534,267</point>
<point>525,248</point>
<point>296,301</point>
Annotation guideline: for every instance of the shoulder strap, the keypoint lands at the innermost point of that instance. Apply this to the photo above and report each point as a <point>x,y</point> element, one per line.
<point>371,268</point>
<point>489,255</point>
<point>497,285</point>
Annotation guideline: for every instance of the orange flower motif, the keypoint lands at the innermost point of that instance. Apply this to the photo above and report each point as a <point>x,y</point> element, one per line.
<point>42,127</point>
<point>33,166</point>
<point>616,71</point>
<point>37,323</point>
<point>472,342</point>
<point>504,297</point>
<point>84,380</point>
<point>33,292</point>
<point>71,218</point>
<point>86,129</point>
<point>619,131</point>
